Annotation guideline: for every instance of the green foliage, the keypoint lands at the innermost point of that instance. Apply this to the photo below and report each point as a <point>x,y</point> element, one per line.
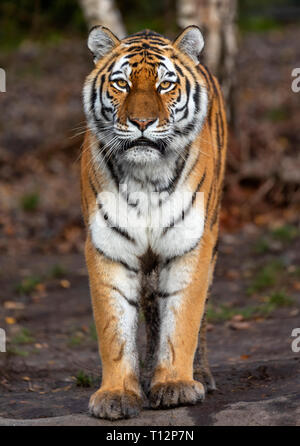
<point>258,24</point>
<point>76,340</point>
<point>277,114</point>
<point>225,313</point>
<point>28,285</point>
<point>93,332</point>
<point>50,20</point>
<point>38,19</point>
<point>139,15</point>
<point>262,246</point>
<point>29,202</point>
<point>58,271</point>
<point>23,337</point>
<point>258,15</point>
<point>280,299</point>
<point>17,352</point>
<point>285,233</point>
<point>277,299</point>
<point>296,272</point>
<point>266,277</point>
<point>83,380</point>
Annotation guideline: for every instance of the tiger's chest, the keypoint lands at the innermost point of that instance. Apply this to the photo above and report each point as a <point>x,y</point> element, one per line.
<point>167,224</point>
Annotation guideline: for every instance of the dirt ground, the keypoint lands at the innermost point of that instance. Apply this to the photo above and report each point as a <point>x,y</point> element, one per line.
<point>52,350</point>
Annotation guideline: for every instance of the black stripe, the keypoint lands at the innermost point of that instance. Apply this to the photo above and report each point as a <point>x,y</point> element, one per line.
<point>178,69</point>
<point>196,97</point>
<point>180,164</point>
<point>216,213</point>
<point>216,91</point>
<point>208,200</point>
<point>199,186</point>
<point>163,295</point>
<point>193,167</point>
<point>133,270</point>
<point>94,90</point>
<point>215,249</point>
<point>178,97</point>
<point>219,144</point>
<point>104,109</point>
<point>211,79</point>
<point>130,301</point>
<point>111,225</point>
<point>222,128</point>
<point>203,71</point>
<point>188,88</point>
<point>186,211</point>
<point>93,187</point>
<point>85,203</point>
<point>112,172</point>
<point>171,259</point>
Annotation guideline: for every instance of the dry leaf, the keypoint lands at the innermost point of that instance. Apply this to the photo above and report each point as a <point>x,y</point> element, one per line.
<point>40,287</point>
<point>239,325</point>
<point>65,283</point>
<point>238,318</point>
<point>61,389</point>
<point>11,305</point>
<point>232,274</point>
<point>296,285</point>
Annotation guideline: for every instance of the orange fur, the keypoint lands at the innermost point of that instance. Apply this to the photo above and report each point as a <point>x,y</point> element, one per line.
<point>143,102</point>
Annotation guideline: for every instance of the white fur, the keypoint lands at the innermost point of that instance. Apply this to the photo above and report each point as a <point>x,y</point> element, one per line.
<point>146,222</point>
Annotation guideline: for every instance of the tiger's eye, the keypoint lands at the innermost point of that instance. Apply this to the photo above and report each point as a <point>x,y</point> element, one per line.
<point>121,83</point>
<point>165,84</point>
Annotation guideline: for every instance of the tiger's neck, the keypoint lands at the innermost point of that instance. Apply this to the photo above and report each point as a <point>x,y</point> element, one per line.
<point>162,177</point>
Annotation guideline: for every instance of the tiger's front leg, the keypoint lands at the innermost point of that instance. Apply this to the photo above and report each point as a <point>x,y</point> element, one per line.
<point>183,287</point>
<point>114,291</point>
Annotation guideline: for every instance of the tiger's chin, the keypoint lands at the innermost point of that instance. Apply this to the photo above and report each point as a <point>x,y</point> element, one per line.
<point>142,155</point>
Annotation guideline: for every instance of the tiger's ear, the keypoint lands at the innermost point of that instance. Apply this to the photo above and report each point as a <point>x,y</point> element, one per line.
<point>190,42</point>
<point>101,41</point>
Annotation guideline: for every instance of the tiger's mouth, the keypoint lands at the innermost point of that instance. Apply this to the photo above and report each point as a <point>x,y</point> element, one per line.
<point>146,143</point>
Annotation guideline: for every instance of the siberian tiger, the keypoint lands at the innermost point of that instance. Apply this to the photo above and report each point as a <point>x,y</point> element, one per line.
<point>152,169</point>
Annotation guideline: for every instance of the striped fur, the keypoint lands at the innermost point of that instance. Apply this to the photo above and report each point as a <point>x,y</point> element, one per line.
<point>152,170</point>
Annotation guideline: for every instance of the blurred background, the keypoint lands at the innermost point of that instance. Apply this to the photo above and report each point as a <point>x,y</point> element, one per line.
<point>253,47</point>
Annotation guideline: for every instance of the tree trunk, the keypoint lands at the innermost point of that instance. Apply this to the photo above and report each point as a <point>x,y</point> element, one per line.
<point>103,12</point>
<point>217,20</point>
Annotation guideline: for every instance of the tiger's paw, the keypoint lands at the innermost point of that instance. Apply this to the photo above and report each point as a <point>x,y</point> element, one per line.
<point>176,393</point>
<point>115,405</point>
<point>205,376</point>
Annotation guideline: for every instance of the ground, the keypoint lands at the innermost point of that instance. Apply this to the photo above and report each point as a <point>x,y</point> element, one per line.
<point>52,364</point>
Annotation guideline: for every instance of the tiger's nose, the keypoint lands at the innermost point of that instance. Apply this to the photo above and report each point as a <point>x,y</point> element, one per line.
<point>142,124</point>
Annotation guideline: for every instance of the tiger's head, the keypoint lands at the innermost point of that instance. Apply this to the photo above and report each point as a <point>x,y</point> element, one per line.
<point>145,100</point>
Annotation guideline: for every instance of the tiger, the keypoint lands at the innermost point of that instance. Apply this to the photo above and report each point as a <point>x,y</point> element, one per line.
<point>152,168</point>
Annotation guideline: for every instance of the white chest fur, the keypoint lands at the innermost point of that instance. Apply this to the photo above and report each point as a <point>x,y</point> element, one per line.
<point>169,225</point>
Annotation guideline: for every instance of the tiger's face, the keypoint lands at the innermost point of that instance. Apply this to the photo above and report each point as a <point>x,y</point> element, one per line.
<point>145,100</point>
